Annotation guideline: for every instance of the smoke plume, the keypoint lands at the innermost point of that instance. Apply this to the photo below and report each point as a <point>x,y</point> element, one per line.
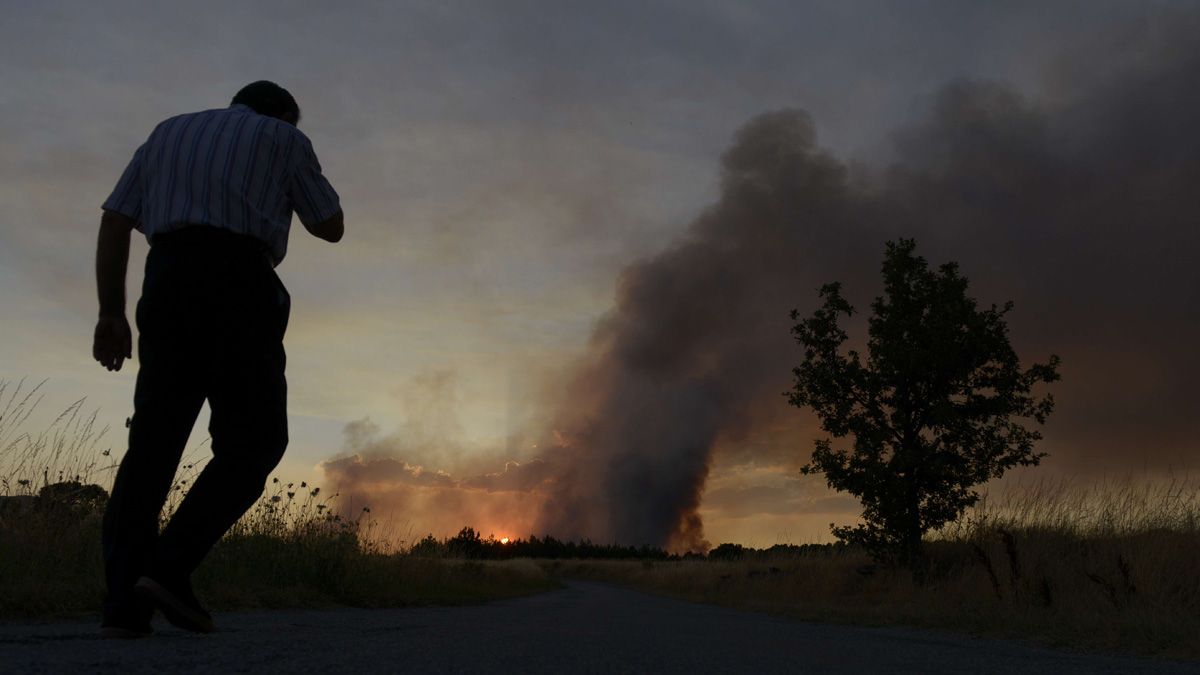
<point>1082,210</point>
<point>1078,204</point>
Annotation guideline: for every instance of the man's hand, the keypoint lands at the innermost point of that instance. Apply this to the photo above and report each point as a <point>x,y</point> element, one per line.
<point>330,230</point>
<point>113,342</point>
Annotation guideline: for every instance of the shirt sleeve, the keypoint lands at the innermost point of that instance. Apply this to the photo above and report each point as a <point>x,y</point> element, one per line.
<point>126,197</point>
<point>312,197</point>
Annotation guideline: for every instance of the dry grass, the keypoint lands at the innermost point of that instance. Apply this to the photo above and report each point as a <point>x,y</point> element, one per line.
<point>49,576</point>
<point>290,550</point>
<point>1110,567</point>
<point>66,449</point>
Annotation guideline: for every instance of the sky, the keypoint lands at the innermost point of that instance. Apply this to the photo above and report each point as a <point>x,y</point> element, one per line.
<point>513,173</point>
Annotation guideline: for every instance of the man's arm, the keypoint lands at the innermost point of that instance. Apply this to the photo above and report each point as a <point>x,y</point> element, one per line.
<point>113,341</point>
<point>313,198</point>
<point>331,229</point>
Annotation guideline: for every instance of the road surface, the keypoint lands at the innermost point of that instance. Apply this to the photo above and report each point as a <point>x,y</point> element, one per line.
<point>584,628</point>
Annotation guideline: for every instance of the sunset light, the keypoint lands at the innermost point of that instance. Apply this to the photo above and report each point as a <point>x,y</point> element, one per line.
<point>503,540</point>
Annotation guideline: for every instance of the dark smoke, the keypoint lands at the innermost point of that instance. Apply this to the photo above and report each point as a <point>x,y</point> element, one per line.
<point>1080,207</point>
<point>696,335</point>
<point>1078,204</point>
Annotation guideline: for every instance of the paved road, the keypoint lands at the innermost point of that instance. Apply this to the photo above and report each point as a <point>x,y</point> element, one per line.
<point>589,628</point>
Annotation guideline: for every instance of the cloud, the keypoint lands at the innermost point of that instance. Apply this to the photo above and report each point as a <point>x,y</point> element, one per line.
<point>381,474</point>
<point>515,477</point>
<point>750,501</point>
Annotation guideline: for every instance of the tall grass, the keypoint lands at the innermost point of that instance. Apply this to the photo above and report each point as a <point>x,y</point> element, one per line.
<point>1113,565</point>
<point>66,450</point>
<point>1098,508</point>
<point>291,549</point>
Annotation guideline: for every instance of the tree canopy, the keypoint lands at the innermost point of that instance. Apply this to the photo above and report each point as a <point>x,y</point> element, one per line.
<point>938,405</point>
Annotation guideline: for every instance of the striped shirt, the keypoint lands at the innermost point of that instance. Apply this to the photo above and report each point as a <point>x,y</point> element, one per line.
<point>230,168</point>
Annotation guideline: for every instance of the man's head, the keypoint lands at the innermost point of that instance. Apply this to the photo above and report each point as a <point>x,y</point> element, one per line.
<point>270,99</point>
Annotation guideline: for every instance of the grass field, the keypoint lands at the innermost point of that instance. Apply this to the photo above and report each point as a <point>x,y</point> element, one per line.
<point>1108,566</point>
<point>1112,567</point>
<point>49,576</point>
<point>290,550</point>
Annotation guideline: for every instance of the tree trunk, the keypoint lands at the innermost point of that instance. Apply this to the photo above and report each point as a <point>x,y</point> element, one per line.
<point>914,557</point>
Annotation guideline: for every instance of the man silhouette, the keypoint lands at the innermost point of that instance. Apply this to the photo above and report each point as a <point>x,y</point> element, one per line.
<point>214,193</point>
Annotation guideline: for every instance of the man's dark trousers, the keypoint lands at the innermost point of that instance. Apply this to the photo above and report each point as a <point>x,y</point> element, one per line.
<point>211,321</point>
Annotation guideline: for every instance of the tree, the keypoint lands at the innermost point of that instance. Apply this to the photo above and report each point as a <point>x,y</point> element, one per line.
<point>466,544</point>
<point>939,405</point>
<point>74,495</point>
<point>727,552</point>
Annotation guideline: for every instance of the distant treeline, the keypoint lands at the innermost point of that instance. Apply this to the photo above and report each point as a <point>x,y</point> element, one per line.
<point>470,544</point>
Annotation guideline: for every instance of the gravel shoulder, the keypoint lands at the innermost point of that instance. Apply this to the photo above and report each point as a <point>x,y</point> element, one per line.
<point>585,627</point>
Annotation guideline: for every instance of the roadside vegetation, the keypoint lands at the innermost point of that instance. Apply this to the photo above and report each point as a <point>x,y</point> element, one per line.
<point>1113,566</point>
<point>290,550</point>
<point>1110,567</point>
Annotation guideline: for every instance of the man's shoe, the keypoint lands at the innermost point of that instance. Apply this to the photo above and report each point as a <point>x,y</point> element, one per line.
<point>177,603</point>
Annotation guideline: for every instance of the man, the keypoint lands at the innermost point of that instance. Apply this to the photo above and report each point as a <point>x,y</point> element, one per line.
<point>214,193</point>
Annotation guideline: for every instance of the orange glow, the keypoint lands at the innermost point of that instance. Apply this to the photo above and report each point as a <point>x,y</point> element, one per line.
<point>503,540</point>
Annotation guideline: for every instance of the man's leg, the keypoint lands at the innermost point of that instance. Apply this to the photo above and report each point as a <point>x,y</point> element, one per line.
<point>167,400</point>
<point>248,399</point>
<point>249,436</point>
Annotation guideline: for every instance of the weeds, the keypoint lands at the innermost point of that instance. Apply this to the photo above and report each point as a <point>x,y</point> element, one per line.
<point>1110,565</point>
<point>291,549</point>
<point>1121,576</point>
<point>67,450</point>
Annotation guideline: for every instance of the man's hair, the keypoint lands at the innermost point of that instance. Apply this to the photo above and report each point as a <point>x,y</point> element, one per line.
<point>268,98</point>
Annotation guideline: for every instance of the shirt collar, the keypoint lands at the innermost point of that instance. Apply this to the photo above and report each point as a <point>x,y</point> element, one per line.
<point>242,107</point>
